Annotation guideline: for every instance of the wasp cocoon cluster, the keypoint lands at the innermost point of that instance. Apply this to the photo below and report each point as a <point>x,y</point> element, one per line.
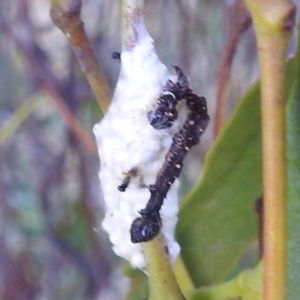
<point>126,141</point>
<point>142,146</point>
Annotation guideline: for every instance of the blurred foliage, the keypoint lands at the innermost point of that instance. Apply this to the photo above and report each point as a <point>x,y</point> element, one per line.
<point>51,243</point>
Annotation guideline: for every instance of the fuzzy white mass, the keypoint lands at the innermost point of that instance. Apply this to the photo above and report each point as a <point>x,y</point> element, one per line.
<point>126,140</point>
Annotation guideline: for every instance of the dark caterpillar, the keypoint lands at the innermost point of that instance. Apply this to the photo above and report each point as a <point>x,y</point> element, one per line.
<point>146,227</point>
<point>166,113</point>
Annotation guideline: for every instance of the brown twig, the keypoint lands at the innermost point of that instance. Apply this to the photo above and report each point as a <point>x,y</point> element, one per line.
<point>65,15</point>
<point>72,122</point>
<point>239,21</point>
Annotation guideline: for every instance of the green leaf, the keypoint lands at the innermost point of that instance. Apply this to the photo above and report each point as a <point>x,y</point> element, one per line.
<point>248,285</point>
<point>251,283</point>
<point>293,163</point>
<point>217,222</point>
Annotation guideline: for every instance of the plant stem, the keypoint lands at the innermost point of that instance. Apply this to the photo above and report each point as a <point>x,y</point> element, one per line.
<point>182,276</point>
<point>132,18</point>
<point>273,20</point>
<point>162,282</point>
<point>65,15</point>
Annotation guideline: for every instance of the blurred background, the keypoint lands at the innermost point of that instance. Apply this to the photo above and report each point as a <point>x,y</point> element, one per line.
<point>51,242</point>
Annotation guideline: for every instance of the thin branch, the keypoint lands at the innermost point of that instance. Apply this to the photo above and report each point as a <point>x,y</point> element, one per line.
<point>65,15</point>
<point>75,127</point>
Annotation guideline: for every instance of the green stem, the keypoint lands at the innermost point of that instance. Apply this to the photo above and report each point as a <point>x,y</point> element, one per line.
<point>182,276</point>
<point>273,21</point>
<point>162,282</point>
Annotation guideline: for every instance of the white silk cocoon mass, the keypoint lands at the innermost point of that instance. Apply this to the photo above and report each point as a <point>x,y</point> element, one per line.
<point>126,140</point>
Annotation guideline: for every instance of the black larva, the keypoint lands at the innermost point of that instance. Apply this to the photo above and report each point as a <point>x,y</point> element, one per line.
<point>147,226</point>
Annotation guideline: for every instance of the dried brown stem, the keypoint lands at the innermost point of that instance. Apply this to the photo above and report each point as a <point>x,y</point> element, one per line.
<point>71,121</point>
